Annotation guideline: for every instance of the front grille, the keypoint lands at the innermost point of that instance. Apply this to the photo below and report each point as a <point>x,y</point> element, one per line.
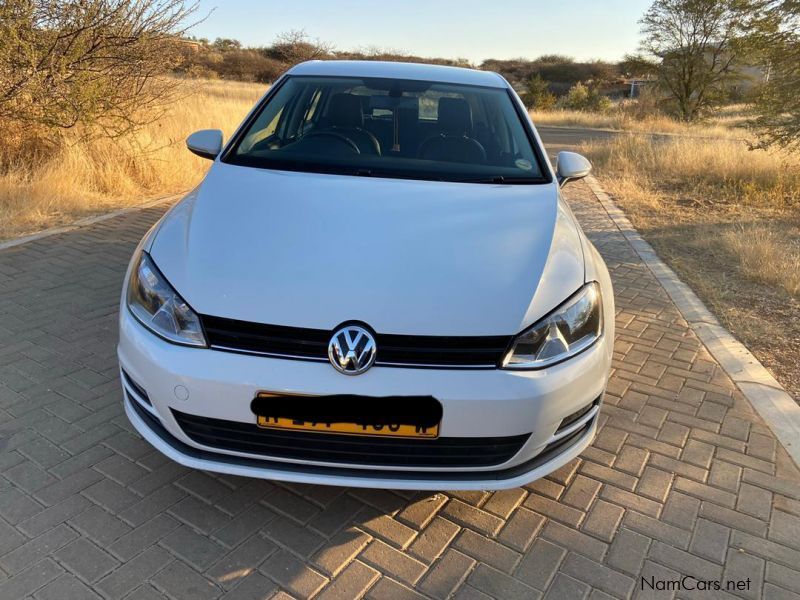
<point>275,340</point>
<point>335,448</point>
<point>550,452</point>
<point>393,350</point>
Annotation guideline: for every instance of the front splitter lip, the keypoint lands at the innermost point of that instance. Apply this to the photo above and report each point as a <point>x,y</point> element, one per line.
<point>195,458</point>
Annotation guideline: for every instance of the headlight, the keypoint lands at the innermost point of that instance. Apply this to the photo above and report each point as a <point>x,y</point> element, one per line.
<point>568,330</point>
<point>152,300</point>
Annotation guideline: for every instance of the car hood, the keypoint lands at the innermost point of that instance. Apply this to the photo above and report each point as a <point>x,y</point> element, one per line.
<point>403,256</point>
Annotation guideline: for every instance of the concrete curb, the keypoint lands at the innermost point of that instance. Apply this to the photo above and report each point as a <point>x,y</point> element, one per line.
<point>86,222</point>
<point>762,390</point>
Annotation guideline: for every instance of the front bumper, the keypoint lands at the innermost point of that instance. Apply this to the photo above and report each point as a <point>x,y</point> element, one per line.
<point>476,403</point>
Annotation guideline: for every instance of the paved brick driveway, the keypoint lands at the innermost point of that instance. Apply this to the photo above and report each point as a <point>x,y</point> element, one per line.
<point>684,478</point>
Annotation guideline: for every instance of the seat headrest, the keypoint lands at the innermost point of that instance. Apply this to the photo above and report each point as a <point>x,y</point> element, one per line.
<point>409,111</point>
<point>455,116</point>
<point>345,111</point>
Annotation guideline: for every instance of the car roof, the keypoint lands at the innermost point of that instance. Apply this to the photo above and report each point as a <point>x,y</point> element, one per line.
<point>399,70</point>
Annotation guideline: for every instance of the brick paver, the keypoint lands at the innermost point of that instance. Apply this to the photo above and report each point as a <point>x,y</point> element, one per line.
<point>684,478</point>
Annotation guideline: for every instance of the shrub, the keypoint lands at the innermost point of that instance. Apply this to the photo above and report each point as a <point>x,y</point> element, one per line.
<point>89,62</point>
<point>538,95</point>
<point>584,97</point>
<point>646,105</point>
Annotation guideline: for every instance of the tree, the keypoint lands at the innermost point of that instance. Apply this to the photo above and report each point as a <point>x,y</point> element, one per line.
<point>777,38</point>
<point>538,95</point>
<point>293,47</point>
<point>96,62</point>
<point>227,44</point>
<point>698,46</point>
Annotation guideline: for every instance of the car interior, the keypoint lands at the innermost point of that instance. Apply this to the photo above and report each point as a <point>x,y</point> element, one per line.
<point>419,121</point>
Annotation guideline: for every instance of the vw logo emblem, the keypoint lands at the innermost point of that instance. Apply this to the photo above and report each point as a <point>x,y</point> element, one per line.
<point>352,350</point>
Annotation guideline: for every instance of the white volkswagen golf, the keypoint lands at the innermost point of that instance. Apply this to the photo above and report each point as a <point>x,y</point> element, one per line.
<point>377,284</point>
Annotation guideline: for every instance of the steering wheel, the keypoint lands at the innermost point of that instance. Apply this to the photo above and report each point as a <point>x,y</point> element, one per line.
<point>336,136</point>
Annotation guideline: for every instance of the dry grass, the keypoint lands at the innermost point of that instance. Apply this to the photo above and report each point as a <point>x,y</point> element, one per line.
<point>728,221</point>
<point>81,178</point>
<point>766,255</point>
<point>726,124</point>
<point>721,176</point>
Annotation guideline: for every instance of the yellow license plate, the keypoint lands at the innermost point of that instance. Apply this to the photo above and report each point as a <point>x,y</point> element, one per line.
<point>396,430</point>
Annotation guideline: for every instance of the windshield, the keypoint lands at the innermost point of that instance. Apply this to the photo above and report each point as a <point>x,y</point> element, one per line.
<point>390,128</point>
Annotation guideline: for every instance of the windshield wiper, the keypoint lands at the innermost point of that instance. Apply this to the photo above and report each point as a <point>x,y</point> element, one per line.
<point>500,180</point>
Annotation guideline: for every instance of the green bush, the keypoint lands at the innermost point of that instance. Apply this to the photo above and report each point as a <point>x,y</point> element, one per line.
<point>584,97</point>
<point>538,95</point>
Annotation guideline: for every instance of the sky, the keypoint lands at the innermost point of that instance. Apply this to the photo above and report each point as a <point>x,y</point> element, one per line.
<point>476,30</point>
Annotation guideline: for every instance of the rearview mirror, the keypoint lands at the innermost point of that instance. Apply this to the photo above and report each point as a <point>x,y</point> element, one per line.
<point>206,143</point>
<point>571,166</point>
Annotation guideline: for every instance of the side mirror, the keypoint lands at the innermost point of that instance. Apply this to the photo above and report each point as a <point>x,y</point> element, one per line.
<point>206,143</point>
<point>571,166</point>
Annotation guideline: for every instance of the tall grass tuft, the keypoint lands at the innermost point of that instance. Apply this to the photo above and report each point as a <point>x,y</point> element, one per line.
<point>757,246</point>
